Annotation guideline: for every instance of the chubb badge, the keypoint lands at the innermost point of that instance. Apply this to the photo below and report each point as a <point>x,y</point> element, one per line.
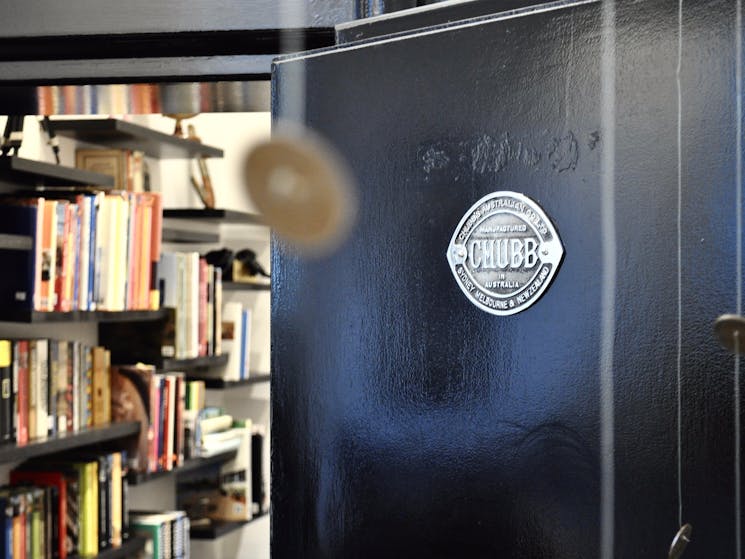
<point>504,253</point>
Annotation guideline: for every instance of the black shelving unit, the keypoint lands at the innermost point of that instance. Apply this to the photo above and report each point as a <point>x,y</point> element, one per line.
<point>171,235</point>
<point>36,317</point>
<point>129,548</point>
<point>138,478</point>
<point>239,286</point>
<point>194,364</point>
<point>210,215</point>
<point>18,173</point>
<point>217,529</point>
<point>41,447</point>
<point>222,384</point>
<point>121,134</point>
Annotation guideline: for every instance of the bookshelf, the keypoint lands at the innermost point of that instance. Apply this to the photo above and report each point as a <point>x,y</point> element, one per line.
<point>213,383</point>
<point>213,215</point>
<point>129,548</point>
<point>245,286</point>
<point>18,172</point>
<point>121,134</point>
<point>38,317</point>
<point>40,447</point>
<point>182,226</point>
<point>218,529</point>
<point>205,362</point>
<point>182,236</point>
<point>191,465</point>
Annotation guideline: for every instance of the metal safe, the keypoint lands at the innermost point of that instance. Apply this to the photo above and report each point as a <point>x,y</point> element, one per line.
<point>408,419</point>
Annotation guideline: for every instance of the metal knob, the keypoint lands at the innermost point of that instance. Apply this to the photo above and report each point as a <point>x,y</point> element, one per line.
<point>680,542</point>
<point>730,329</point>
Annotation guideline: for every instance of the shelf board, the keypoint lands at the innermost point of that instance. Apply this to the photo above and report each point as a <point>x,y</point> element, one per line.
<point>193,464</point>
<point>171,235</point>
<point>41,447</point>
<point>19,172</point>
<point>129,548</point>
<point>35,317</point>
<point>240,286</point>
<point>222,384</point>
<point>121,134</point>
<point>217,528</point>
<point>207,215</point>
<point>196,363</point>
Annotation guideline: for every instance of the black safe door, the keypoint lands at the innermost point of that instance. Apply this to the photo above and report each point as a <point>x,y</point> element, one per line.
<point>409,423</point>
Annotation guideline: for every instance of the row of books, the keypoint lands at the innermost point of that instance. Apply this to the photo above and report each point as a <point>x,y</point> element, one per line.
<point>123,99</point>
<point>177,425</point>
<point>65,506</point>
<point>157,401</point>
<point>89,252</point>
<point>50,387</point>
<point>167,533</point>
<point>192,290</point>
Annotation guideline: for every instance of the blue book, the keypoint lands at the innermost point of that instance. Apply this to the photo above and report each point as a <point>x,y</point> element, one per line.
<point>6,526</point>
<point>244,343</point>
<point>76,266</point>
<point>92,276</point>
<point>17,283</point>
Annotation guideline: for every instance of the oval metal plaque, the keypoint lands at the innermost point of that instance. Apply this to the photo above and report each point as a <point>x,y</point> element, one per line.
<point>504,253</point>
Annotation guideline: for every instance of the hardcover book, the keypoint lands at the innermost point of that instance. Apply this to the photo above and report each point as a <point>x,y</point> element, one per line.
<point>18,289</point>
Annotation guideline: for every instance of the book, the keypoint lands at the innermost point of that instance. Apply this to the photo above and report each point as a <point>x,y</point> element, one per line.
<point>52,386</point>
<point>6,392</point>
<point>57,480</point>
<point>62,256</point>
<point>151,528</point>
<point>116,499</point>
<point>245,343</point>
<point>134,398</point>
<point>18,289</point>
<point>232,341</point>
<point>202,307</point>
<point>6,526</point>
<point>48,255</point>
<point>258,486</point>
<point>21,387</point>
<point>101,387</point>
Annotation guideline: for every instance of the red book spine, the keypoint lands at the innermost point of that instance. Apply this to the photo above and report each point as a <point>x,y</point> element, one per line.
<point>23,373</point>
<point>70,386</point>
<point>180,405</point>
<point>165,455</point>
<point>155,246</point>
<point>49,479</point>
<point>60,280</point>
<point>154,424</point>
<point>202,306</point>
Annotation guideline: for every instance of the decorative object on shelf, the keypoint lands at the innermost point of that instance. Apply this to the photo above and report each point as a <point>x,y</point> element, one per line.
<point>13,135</point>
<point>240,267</point>
<point>247,269</point>
<point>52,140</point>
<point>204,190</point>
<point>303,188</point>
<point>178,130</point>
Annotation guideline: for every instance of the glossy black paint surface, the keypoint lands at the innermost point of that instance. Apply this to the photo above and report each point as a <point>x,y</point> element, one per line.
<point>427,14</point>
<point>408,423</point>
